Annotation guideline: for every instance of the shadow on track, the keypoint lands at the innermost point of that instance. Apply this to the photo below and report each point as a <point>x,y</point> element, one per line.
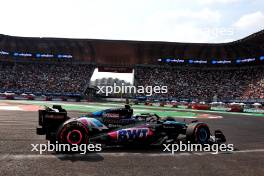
<point>96,157</point>
<point>90,157</point>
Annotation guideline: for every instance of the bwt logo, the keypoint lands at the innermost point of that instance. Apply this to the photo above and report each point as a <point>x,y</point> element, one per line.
<point>134,133</point>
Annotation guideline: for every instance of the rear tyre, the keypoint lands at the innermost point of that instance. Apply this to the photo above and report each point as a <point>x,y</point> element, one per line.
<point>73,133</point>
<point>198,133</point>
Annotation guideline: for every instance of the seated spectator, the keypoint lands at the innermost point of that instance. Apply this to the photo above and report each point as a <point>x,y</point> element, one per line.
<point>45,78</point>
<point>204,84</point>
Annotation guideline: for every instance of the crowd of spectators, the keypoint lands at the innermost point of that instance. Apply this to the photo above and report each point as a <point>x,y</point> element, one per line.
<point>204,84</point>
<point>182,83</point>
<point>45,78</point>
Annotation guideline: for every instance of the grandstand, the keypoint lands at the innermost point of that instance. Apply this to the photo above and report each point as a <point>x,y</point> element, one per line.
<point>229,84</point>
<point>43,79</point>
<point>193,71</point>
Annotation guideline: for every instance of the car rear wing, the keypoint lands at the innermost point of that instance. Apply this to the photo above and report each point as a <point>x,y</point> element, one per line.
<point>50,119</point>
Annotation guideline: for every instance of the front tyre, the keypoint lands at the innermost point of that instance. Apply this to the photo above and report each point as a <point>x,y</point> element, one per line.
<point>198,133</point>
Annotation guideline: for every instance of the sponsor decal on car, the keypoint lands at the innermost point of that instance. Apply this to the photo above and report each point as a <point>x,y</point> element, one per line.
<point>113,115</point>
<point>133,133</point>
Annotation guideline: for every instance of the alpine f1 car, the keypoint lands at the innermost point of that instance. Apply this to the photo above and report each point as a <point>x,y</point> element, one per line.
<point>120,127</point>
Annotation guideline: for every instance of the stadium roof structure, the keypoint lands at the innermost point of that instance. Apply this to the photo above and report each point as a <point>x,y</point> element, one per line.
<point>124,52</point>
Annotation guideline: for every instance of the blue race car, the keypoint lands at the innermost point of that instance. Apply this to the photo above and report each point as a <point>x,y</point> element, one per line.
<point>120,127</point>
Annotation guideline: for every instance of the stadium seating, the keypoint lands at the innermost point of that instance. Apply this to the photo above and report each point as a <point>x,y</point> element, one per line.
<point>183,83</point>
<point>204,84</point>
<point>44,78</point>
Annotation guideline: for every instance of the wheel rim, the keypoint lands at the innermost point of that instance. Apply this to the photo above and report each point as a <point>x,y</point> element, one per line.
<point>74,137</point>
<point>202,135</point>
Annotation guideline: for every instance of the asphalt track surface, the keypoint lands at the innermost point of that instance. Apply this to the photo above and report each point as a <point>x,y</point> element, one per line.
<point>17,133</point>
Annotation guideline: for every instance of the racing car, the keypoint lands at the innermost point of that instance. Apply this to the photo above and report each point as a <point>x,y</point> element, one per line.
<point>119,126</point>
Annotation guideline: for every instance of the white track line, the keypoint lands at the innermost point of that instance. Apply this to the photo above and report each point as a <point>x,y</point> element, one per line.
<point>10,108</point>
<point>117,154</point>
